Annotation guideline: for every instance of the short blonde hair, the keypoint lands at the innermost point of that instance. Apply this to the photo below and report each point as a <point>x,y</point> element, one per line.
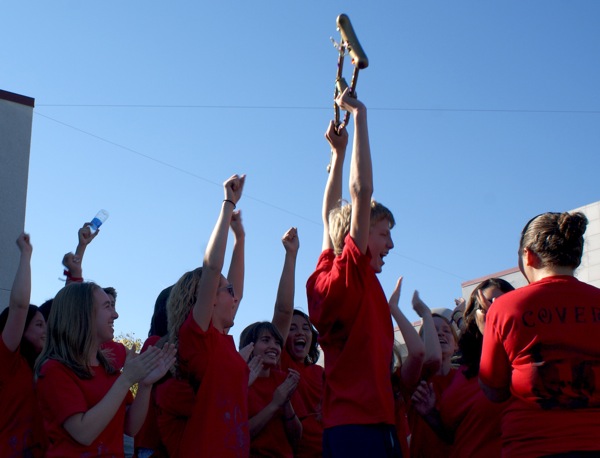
<point>339,222</point>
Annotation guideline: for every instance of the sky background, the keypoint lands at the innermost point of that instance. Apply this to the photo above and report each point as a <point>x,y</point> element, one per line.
<point>481,115</point>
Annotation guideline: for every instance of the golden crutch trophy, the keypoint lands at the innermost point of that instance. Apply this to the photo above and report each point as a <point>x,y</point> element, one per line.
<point>348,44</point>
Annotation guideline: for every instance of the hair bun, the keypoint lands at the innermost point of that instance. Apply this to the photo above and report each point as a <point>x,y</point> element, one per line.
<point>572,225</point>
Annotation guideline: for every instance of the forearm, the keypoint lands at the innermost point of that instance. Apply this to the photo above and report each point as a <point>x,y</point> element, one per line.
<point>292,424</point>
<point>434,420</point>
<point>284,303</point>
<point>20,293</point>
<point>86,427</point>
<point>237,267</point>
<point>136,414</point>
<point>433,350</point>
<point>18,305</point>
<point>215,251</point>
<point>361,171</point>
<point>411,368</point>
<point>333,193</point>
<point>257,423</point>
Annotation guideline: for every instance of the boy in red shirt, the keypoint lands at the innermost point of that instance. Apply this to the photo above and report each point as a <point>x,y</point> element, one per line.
<point>349,308</point>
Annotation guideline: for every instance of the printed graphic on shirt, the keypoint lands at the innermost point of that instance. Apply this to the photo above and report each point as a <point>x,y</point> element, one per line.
<point>565,382</point>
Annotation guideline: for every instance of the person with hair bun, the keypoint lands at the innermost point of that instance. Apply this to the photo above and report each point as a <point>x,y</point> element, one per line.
<point>541,346</point>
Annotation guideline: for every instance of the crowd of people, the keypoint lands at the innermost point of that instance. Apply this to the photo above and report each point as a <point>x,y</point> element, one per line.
<point>514,373</point>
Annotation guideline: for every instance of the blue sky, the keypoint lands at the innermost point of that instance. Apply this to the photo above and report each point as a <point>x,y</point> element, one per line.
<point>482,114</point>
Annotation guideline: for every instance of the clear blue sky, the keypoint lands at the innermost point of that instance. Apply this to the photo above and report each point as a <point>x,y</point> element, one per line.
<point>482,114</point>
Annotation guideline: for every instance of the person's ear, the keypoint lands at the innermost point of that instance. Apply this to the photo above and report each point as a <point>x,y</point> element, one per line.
<point>531,259</point>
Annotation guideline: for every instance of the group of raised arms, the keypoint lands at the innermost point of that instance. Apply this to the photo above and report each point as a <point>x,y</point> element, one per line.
<point>512,373</point>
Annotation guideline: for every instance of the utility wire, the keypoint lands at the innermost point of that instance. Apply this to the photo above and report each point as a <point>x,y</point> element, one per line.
<point>246,196</point>
<point>272,107</point>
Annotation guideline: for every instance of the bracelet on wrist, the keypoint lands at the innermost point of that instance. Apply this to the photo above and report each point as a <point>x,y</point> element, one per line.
<point>231,202</point>
<point>73,279</point>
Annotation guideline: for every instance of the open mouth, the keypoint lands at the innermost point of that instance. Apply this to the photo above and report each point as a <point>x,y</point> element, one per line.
<point>300,344</point>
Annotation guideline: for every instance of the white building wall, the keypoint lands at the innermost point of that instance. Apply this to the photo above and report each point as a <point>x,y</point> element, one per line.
<point>16,114</point>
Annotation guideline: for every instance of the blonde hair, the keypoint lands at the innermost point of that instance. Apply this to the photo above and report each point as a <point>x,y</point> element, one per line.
<point>340,217</point>
<point>71,335</point>
<point>179,305</point>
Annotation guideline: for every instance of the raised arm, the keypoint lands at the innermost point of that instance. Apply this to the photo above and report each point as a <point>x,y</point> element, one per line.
<point>19,297</point>
<point>433,350</point>
<point>284,303</point>
<point>361,171</point>
<point>73,262</point>
<point>212,264</point>
<point>237,266</point>
<point>333,189</point>
<point>410,371</point>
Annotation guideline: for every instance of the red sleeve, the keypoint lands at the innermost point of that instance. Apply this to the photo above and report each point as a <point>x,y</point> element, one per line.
<point>116,352</point>
<point>150,341</point>
<point>194,348</point>
<point>61,394</point>
<point>495,369</point>
<point>329,285</point>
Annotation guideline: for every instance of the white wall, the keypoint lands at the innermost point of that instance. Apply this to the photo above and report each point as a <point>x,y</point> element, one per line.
<point>16,114</point>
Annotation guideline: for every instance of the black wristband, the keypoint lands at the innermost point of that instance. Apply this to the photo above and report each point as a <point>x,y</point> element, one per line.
<point>231,202</point>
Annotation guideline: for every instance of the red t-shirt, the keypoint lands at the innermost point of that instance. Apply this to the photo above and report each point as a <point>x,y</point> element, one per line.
<point>62,394</point>
<point>174,405</point>
<point>21,432</point>
<point>349,309</point>
<point>271,441</point>
<point>424,442</point>
<point>310,392</point>
<point>218,426</point>
<point>474,419</point>
<point>542,342</point>
<point>148,436</point>
<point>401,394</point>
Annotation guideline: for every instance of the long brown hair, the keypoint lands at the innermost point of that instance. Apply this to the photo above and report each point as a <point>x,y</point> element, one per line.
<point>71,334</point>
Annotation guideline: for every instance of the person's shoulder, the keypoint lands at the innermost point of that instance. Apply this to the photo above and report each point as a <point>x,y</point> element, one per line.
<point>53,367</point>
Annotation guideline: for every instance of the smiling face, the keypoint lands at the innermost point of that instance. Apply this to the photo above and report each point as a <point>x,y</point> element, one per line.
<point>445,336</point>
<point>35,333</point>
<point>105,316</point>
<point>380,243</point>
<point>268,347</point>
<point>299,338</point>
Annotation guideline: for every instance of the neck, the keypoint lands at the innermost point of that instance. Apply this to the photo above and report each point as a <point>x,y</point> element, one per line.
<point>550,271</point>
<point>265,372</point>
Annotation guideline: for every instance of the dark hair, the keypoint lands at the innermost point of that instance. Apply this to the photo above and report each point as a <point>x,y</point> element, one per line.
<point>26,348</point>
<point>313,352</point>
<point>45,308</point>
<point>158,323</point>
<point>110,291</point>
<point>471,339</point>
<point>556,238</point>
<point>253,332</point>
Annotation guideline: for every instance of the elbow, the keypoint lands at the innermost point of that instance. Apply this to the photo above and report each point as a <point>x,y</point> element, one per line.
<point>361,191</point>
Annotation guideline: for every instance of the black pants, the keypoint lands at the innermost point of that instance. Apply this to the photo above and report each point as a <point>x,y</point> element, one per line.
<point>361,441</point>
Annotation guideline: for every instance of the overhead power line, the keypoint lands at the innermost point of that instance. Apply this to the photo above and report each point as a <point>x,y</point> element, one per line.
<point>273,107</point>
